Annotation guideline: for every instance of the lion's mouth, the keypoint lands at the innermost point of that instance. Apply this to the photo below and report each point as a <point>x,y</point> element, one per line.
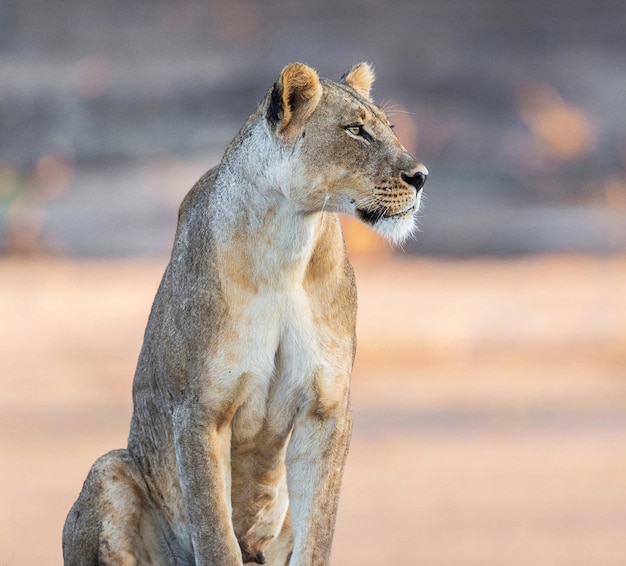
<point>373,216</point>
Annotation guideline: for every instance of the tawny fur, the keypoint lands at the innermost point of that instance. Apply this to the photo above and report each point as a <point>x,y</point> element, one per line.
<point>241,418</point>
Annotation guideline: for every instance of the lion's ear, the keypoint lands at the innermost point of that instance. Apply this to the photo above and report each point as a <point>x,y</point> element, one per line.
<point>294,97</point>
<point>361,78</point>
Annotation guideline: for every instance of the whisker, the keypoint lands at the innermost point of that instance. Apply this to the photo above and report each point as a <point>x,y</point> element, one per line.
<point>388,105</point>
<point>325,201</point>
<point>366,202</point>
<point>394,112</point>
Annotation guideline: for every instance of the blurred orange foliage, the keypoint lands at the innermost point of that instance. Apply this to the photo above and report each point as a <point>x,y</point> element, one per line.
<point>561,130</point>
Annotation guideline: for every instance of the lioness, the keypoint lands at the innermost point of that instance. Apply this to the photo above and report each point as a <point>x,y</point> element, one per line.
<point>241,418</point>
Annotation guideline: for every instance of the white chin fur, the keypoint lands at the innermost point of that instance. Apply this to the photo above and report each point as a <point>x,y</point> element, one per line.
<point>396,230</point>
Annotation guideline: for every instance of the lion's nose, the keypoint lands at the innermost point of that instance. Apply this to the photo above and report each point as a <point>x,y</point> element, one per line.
<point>417,178</point>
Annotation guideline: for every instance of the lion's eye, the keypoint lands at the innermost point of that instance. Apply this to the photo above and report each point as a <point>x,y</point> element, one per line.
<point>358,131</point>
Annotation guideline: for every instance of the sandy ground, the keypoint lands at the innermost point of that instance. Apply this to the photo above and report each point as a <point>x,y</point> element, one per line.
<point>489,397</point>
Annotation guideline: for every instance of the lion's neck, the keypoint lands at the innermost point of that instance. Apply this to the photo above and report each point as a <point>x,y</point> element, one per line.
<point>262,234</point>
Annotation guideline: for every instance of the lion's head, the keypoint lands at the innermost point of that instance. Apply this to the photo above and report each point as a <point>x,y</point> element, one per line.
<point>343,153</point>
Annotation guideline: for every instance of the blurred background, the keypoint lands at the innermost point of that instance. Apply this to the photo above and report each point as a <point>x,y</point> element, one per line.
<point>489,389</point>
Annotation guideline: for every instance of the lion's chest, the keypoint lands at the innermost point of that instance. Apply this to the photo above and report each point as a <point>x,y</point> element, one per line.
<point>277,351</point>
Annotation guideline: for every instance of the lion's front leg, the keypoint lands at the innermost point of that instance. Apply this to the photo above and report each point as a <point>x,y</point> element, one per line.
<point>259,492</point>
<point>315,461</point>
<point>203,456</point>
